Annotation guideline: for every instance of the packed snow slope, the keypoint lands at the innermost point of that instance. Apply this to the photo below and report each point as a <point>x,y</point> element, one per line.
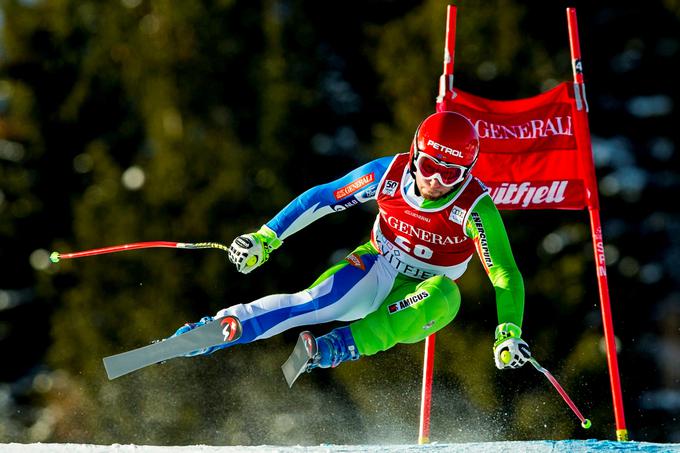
<point>566,446</point>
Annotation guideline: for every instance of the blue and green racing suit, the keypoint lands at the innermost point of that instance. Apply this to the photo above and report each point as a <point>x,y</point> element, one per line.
<point>400,286</point>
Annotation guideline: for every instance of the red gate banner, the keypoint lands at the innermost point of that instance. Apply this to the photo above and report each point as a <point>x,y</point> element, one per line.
<point>529,154</point>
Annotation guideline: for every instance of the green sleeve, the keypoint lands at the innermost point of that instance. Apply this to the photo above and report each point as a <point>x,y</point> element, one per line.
<point>486,228</point>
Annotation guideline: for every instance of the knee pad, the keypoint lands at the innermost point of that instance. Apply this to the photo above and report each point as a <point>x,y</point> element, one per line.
<point>444,297</point>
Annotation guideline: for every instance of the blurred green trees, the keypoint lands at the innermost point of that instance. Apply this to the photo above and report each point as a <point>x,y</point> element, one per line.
<point>134,120</point>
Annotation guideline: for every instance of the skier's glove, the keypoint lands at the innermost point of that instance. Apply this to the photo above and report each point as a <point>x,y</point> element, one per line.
<point>251,250</point>
<point>509,350</point>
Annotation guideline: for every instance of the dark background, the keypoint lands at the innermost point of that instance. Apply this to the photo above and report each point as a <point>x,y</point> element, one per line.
<point>138,120</point>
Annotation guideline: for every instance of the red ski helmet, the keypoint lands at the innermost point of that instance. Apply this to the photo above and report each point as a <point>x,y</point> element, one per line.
<point>449,138</point>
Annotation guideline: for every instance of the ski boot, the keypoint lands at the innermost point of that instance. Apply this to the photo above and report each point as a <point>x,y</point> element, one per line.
<point>231,332</point>
<point>334,348</point>
<point>327,351</point>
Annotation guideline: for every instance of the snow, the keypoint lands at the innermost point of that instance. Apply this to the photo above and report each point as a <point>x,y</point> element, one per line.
<point>565,446</point>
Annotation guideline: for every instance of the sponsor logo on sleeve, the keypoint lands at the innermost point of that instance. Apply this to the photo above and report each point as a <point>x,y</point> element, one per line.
<point>348,204</point>
<point>354,186</point>
<point>367,194</point>
<point>355,260</point>
<point>407,302</point>
<point>457,215</point>
<point>482,240</point>
<point>390,187</point>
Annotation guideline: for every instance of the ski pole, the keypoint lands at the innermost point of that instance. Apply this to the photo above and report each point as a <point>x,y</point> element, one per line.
<point>585,423</point>
<point>55,257</point>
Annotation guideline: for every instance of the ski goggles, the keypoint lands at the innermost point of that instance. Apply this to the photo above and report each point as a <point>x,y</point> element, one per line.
<point>447,174</point>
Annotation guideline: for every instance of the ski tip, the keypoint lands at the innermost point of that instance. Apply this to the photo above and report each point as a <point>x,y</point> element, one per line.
<point>110,369</point>
<point>289,380</point>
<point>291,374</point>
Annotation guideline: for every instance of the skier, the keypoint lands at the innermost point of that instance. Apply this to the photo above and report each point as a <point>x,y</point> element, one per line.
<point>400,286</point>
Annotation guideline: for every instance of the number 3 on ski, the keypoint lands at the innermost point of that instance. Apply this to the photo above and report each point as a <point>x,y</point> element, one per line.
<point>216,332</point>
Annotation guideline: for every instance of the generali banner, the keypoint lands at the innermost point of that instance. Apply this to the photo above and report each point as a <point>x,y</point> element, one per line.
<point>529,156</point>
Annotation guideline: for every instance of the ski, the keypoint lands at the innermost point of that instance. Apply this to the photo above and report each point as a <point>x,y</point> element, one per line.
<point>298,362</point>
<point>218,331</point>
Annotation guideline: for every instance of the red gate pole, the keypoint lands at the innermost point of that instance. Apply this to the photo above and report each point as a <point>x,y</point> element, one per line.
<point>445,88</point>
<point>426,395</point>
<point>583,135</point>
<point>446,79</point>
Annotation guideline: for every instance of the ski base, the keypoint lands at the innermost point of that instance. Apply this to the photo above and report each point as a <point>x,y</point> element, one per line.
<point>219,331</point>
<point>302,355</point>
